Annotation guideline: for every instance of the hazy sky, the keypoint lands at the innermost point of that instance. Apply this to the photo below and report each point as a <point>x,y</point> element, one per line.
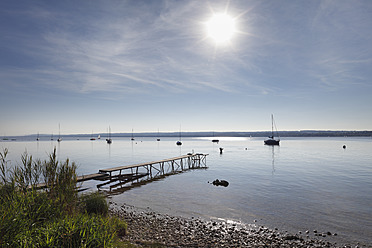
<point>151,65</point>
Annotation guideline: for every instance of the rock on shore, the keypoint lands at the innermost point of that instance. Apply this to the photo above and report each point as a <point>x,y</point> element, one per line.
<point>149,227</point>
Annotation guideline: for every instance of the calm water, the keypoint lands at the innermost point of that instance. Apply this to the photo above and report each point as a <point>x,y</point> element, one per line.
<point>303,184</point>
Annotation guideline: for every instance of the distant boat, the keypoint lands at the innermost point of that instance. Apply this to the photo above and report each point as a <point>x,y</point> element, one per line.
<point>132,135</point>
<point>179,143</point>
<point>215,140</point>
<point>92,137</point>
<point>59,133</point>
<point>37,137</point>
<point>109,140</point>
<point>99,136</point>
<point>158,139</point>
<point>272,141</point>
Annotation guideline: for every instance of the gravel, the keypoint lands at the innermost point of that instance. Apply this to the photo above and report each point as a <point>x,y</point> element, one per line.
<point>146,227</point>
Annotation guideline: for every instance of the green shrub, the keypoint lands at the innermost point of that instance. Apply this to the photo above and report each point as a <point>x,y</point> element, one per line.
<point>94,203</point>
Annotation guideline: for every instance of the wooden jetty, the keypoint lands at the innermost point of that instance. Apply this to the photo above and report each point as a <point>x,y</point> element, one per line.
<point>128,173</point>
<point>151,170</point>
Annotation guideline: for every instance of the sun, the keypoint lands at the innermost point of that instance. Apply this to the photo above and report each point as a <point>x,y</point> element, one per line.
<point>221,28</point>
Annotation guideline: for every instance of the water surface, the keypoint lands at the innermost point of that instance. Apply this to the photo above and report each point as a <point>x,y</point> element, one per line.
<point>303,184</point>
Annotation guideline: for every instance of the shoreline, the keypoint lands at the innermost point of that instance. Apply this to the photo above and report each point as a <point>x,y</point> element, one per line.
<point>203,134</point>
<point>148,227</point>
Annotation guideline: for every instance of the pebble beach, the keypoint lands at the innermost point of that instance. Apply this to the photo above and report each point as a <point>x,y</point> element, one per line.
<point>146,226</point>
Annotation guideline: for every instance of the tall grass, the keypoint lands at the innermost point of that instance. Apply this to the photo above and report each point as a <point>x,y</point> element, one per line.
<point>56,216</point>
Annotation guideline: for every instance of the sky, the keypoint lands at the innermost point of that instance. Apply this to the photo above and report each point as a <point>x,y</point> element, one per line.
<point>154,65</point>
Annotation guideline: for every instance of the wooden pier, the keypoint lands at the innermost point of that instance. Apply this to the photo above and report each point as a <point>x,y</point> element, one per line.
<point>129,173</point>
<point>139,174</point>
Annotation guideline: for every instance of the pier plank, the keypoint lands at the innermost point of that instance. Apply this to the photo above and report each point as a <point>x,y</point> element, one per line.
<point>91,177</point>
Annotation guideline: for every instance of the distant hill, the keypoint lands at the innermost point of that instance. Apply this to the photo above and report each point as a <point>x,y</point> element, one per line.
<point>301,133</point>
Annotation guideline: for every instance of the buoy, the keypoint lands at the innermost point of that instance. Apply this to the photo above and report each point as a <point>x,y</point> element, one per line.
<point>344,146</point>
<point>221,149</point>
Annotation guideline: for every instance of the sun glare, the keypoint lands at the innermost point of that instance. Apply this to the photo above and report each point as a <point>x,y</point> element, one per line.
<point>221,28</point>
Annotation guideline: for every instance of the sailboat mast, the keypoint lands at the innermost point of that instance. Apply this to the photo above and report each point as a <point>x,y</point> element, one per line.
<point>272,126</point>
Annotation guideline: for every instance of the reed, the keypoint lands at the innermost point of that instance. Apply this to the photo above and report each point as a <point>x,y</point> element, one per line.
<point>56,216</point>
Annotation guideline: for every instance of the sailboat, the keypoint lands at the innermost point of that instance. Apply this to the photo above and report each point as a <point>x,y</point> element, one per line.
<point>132,135</point>
<point>179,143</point>
<point>37,137</point>
<point>109,140</point>
<point>158,139</point>
<point>215,140</point>
<point>272,141</point>
<point>59,133</point>
<point>92,138</point>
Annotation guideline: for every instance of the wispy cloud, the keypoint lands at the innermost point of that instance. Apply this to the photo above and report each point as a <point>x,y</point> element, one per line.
<point>161,47</point>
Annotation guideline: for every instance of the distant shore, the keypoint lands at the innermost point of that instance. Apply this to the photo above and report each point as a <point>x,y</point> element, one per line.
<point>301,133</point>
<point>147,227</point>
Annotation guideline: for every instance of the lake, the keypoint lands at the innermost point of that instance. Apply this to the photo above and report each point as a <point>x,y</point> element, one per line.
<point>303,184</point>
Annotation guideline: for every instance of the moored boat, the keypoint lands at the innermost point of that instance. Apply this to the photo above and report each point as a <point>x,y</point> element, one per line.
<point>59,133</point>
<point>109,140</point>
<point>179,143</point>
<point>272,141</point>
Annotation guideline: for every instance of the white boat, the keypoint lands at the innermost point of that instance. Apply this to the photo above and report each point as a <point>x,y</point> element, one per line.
<point>272,141</point>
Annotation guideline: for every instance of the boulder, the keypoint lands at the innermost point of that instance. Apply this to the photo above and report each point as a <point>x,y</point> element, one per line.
<point>220,183</point>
